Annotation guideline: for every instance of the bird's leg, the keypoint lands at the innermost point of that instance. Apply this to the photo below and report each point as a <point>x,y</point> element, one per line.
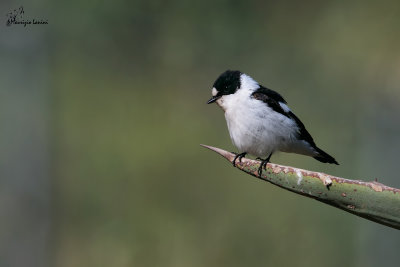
<point>238,156</point>
<point>264,164</point>
<point>267,160</point>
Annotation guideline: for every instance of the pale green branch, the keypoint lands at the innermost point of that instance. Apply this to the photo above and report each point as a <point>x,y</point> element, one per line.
<point>370,200</point>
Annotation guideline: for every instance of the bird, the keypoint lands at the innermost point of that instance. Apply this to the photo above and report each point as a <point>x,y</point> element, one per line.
<point>260,121</point>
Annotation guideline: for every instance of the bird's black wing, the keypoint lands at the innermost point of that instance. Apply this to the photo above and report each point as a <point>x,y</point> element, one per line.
<point>303,133</point>
<point>273,100</point>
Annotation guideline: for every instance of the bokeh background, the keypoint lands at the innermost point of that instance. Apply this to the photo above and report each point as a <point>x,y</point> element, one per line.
<point>102,112</point>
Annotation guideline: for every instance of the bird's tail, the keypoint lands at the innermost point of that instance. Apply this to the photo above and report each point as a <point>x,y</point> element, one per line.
<point>324,157</point>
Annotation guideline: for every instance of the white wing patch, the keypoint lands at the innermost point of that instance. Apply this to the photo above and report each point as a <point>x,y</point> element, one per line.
<point>284,107</point>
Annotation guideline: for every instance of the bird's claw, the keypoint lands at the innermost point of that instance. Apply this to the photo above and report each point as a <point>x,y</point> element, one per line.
<point>263,164</point>
<point>238,156</point>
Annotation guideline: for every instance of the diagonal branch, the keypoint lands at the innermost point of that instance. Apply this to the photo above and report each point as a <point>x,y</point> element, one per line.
<point>370,200</point>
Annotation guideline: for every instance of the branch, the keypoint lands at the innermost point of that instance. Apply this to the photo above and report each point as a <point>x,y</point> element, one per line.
<point>370,200</point>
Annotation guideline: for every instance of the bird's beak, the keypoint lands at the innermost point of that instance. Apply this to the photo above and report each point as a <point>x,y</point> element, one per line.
<point>213,99</point>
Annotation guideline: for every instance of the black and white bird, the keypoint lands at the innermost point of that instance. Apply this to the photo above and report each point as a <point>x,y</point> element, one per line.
<point>259,120</point>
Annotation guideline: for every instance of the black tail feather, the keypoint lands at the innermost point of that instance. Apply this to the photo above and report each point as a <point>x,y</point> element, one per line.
<point>325,157</point>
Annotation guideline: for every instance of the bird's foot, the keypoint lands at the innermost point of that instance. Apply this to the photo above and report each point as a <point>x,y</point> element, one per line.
<point>263,164</point>
<point>238,156</point>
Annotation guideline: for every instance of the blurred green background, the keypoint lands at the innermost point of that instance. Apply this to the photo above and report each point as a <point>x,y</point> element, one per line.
<point>103,110</point>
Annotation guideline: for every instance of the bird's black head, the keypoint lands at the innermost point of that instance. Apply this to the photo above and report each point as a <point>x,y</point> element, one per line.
<point>226,84</point>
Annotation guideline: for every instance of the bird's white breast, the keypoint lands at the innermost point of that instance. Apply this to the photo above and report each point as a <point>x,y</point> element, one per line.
<point>254,127</point>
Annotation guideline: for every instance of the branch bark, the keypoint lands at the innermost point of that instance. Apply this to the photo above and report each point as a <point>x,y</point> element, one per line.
<point>370,200</point>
